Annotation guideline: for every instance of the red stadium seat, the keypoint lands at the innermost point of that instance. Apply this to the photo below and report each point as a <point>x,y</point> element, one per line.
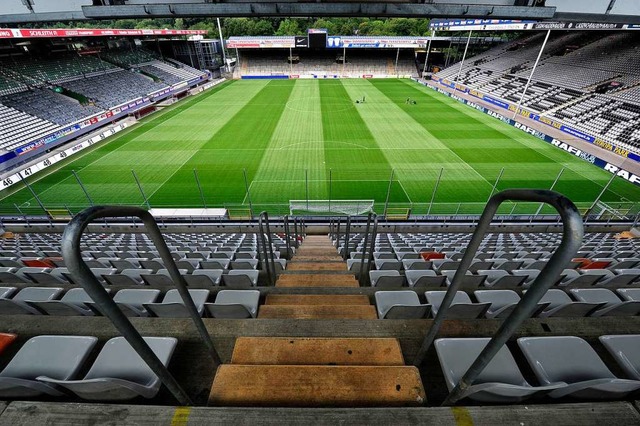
<point>5,340</point>
<point>430,255</point>
<point>39,263</point>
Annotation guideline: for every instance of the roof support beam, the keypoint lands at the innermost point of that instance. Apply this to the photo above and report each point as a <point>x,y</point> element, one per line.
<point>431,10</point>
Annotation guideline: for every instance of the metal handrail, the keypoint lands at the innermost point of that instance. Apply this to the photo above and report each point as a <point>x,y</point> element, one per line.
<point>347,237</point>
<point>287,235</point>
<point>362,277</point>
<point>265,235</point>
<point>573,232</point>
<point>82,274</point>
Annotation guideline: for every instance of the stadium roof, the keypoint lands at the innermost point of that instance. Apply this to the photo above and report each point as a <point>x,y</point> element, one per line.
<point>611,11</point>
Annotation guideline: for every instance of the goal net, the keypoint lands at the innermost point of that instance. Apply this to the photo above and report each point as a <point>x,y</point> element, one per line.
<point>330,207</point>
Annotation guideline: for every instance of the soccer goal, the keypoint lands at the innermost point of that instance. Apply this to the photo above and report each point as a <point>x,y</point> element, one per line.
<point>330,207</point>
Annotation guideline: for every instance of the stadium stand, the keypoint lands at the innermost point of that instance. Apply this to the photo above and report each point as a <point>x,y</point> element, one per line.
<point>568,82</point>
<point>264,62</point>
<point>115,88</point>
<point>50,106</point>
<point>33,106</point>
<point>18,128</point>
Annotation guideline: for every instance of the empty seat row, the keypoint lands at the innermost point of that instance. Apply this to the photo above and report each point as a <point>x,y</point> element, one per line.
<point>50,365</point>
<point>500,303</point>
<point>564,366</point>
<point>237,304</point>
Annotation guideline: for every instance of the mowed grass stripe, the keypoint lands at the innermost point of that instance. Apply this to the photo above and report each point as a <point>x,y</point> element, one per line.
<point>219,162</point>
<point>359,169</point>
<point>51,187</point>
<point>484,148</point>
<point>580,179</point>
<point>422,155</point>
<point>296,146</point>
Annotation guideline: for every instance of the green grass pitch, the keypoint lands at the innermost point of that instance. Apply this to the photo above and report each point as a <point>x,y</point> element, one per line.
<point>287,133</point>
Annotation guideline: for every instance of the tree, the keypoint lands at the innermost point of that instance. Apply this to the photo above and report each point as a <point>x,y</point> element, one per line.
<point>289,27</point>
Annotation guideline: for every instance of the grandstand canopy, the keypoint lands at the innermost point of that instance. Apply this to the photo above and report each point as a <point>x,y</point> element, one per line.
<point>612,11</point>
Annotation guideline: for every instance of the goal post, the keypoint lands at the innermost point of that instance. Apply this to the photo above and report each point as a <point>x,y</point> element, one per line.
<point>330,207</point>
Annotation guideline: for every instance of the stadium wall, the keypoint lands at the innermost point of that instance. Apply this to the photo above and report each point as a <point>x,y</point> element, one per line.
<point>611,168</point>
<point>49,161</point>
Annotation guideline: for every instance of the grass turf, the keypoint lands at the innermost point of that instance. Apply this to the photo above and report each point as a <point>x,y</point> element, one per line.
<point>308,138</point>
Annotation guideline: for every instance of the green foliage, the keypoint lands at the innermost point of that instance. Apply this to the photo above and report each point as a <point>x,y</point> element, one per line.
<point>288,27</point>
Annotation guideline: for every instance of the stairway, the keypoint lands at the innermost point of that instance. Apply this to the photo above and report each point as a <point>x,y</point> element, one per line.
<point>317,264</point>
<point>317,372</point>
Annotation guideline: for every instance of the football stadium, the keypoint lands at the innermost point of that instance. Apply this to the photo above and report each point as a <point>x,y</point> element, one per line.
<point>329,212</point>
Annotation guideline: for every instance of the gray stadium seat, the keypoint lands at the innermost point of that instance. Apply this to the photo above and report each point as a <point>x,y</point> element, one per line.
<point>574,278</point>
<point>215,264</point>
<point>625,349</point>
<point>425,279</point>
<point>500,382</point>
<point>161,278</point>
<point>388,264</point>
<point>629,293</point>
<point>469,282</point>
<point>613,305</point>
<point>498,278</point>
<point>243,264</point>
<point>73,302</point>
<point>461,306</point>
<point>415,264</point>
<point>9,275</point>
<point>119,373</point>
<point>6,292</point>
<point>127,277</point>
<point>503,302</point>
<point>584,372</point>
<point>41,276</point>
<point>235,304</point>
<point>386,279</point>
<point>204,277</point>
<point>561,305</point>
<point>131,301</point>
<point>59,357</point>
<point>240,278</point>
<point>172,306</point>
<point>18,304</point>
<point>400,305</point>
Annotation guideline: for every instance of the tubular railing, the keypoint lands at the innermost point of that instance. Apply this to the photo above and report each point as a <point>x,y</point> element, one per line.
<point>347,237</point>
<point>287,235</point>
<point>267,246</point>
<point>364,274</point>
<point>571,239</point>
<point>82,274</point>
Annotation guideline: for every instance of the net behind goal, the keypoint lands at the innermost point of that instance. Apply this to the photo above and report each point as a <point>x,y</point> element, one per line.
<point>330,207</point>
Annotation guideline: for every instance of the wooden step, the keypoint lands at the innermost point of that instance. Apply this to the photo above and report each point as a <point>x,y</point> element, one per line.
<point>317,386</point>
<point>317,312</point>
<point>332,258</point>
<point>316,266</point>
<point>316,351</point>
<point>316,299</point>
<point>316,280</point>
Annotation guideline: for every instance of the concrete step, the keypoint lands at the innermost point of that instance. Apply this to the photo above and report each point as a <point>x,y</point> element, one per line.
<point>316,351</point>
<point>316,266</point>
<point>316,386</point>
<point>316,299</point>
<point>317,280</point>
<point>317,312</point>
